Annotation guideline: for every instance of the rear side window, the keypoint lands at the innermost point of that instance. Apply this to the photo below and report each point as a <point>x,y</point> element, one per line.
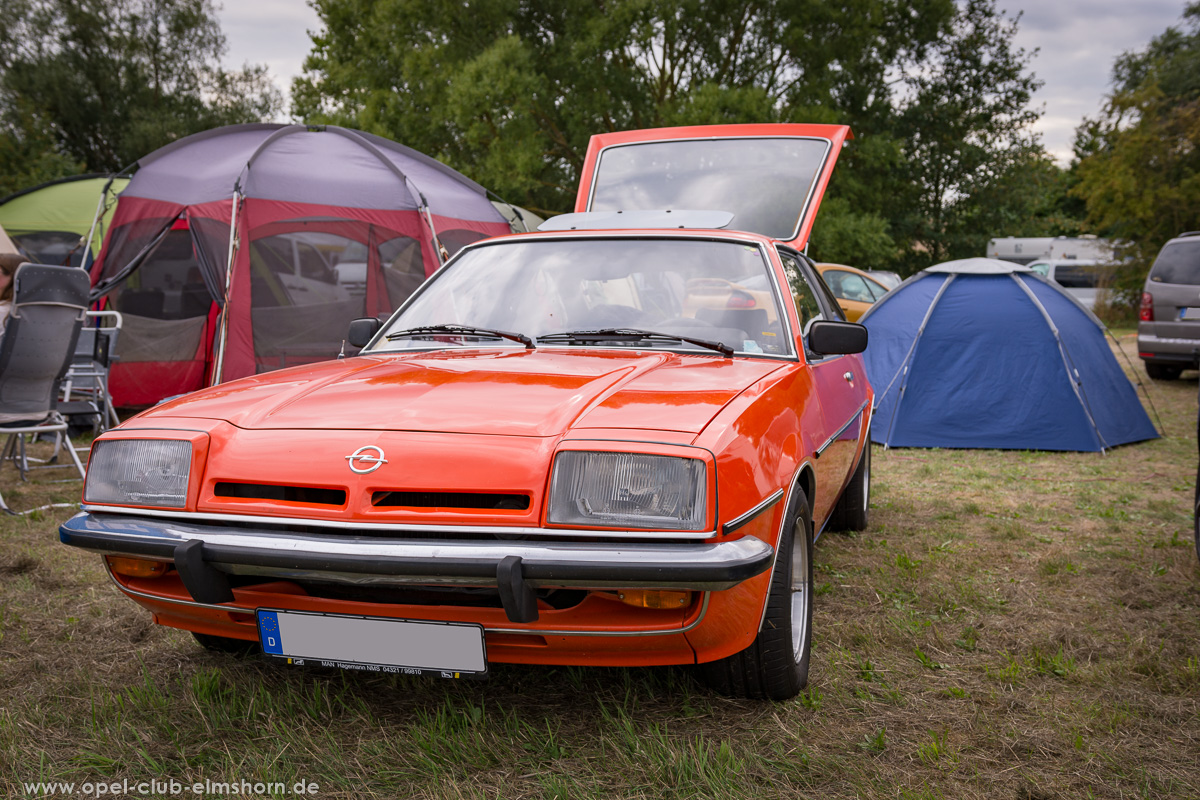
<point>1178,262</point>
<point>1077,276</point>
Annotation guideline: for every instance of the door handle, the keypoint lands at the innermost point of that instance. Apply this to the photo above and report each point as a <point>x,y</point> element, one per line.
<point>849,376</point>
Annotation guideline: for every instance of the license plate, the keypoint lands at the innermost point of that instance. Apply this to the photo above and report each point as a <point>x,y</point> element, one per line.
<point>1189,313</point>
<point>375,644</point>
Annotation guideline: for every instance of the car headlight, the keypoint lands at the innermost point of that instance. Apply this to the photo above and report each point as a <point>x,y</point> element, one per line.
<point>142,472</point>
<point>628,490</point>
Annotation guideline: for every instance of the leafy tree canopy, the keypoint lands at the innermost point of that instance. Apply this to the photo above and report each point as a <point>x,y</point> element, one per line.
<point>93,85</point>
<point>1139,160</point>
<point>510,91</point>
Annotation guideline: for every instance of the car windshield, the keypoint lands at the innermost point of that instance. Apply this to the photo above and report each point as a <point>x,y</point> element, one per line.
<point>712,291</point>
<point>765,183</point>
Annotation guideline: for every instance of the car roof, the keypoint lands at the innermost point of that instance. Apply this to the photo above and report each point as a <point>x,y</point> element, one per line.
<point>1054,262</point>
<point>823,266</point>
<point>638,220</point>
<point>569,232</point>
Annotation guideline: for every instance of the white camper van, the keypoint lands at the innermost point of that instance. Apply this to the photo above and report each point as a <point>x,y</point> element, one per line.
<point>1026,249</point>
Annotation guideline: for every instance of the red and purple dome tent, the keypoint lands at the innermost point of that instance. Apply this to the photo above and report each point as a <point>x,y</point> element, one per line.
<point>251,247</point>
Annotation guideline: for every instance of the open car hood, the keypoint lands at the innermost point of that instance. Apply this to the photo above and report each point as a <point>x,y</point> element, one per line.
<point>770,176</point>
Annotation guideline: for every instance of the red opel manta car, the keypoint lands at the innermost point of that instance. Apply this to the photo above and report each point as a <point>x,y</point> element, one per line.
<point>610,442</point>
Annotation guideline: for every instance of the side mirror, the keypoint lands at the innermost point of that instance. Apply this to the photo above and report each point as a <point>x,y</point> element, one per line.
<point>362,330</point>
<point>830,338</point>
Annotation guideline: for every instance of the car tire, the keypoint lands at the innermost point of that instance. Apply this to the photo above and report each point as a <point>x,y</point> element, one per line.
<point>1163,372</point>
<point>1196,526</point>
<point>853,509</point>
<point>223,644</point>
<point>775,665</point>
<point>1196,517</point>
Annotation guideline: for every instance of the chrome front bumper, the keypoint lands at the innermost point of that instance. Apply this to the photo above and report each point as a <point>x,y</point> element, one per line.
<point>515,568</point>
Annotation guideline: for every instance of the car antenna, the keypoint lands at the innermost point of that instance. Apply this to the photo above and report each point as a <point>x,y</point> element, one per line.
<point>342,354</point>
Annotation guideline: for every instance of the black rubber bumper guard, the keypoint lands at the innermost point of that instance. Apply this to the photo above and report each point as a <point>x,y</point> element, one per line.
<point>207,584</point>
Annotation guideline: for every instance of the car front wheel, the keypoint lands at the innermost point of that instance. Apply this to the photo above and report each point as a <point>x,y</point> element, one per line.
<point>1196,516</point>
<point>775,665</point>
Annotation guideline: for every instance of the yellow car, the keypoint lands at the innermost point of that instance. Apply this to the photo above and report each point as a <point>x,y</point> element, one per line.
<point>854,289</point>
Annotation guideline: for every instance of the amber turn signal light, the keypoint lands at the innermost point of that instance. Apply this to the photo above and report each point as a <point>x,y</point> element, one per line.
<point>654,598</point>
<point>136,567</point>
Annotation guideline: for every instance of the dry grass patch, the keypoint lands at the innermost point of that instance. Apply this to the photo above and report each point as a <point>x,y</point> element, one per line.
<point>1013,625</point>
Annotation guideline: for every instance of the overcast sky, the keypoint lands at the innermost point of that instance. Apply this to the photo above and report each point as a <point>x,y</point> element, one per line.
<point>1077,42</point>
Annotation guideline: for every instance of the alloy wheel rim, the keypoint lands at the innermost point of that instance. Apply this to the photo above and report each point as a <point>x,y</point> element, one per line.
<point>801,590</point>
<point>867,480</point>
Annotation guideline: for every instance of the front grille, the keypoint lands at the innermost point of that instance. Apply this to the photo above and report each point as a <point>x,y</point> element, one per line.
<point>448,500</point>
<point>285,494</point>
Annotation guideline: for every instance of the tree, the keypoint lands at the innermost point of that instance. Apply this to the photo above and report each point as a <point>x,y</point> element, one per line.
<point>1139,160</point>
<point>107,81</point>
<point>509,91</point>
<point>967,139</point>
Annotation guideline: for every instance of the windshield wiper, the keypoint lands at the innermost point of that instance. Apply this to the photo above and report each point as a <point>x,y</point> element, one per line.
<point>465,330</point>
<point>633,335</point>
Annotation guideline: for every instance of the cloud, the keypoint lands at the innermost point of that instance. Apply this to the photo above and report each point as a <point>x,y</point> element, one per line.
<point>1077,42</point>
<point>270,32</point>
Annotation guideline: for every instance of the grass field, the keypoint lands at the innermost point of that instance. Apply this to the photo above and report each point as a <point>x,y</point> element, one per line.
<point>1012,625</point>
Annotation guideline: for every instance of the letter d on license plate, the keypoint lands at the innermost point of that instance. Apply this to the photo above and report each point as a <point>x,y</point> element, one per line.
<point>377,644</point>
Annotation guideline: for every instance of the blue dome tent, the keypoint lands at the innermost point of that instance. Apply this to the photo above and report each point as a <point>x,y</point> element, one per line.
<point>981,353</point>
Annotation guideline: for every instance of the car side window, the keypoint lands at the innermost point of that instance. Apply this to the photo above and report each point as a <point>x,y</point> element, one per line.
<point>814,286</point>
<point>803,293</point>
<point>812,298</point>
<point>849,286</point>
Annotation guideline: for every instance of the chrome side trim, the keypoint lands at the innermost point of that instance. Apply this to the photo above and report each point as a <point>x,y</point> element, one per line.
<point>840,430</point>
<point>529,631</point>
<point>400,527</point>
<point>733,525</point>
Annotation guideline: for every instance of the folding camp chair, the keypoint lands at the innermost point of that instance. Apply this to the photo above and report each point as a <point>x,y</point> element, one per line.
<point>49,306</point>
<point>85,387</point>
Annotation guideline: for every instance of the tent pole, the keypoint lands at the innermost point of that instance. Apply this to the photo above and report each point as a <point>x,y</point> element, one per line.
<point>442,254</point>
<point>1066,357</point>
<point>912,349</point>
<point>87,244</point>
<point>219,369</point>
<point>516,211</point>
<point>438,249</point>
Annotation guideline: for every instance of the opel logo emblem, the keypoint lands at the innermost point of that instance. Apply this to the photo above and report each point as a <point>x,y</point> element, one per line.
<point>366,459</point>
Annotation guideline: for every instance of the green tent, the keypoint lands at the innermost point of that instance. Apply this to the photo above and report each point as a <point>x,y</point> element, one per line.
<point>6,244</point>
<point>51,221</point>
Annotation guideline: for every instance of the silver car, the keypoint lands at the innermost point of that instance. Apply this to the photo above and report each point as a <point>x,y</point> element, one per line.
<point>1169,321</point>
<point>1081,278</point>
